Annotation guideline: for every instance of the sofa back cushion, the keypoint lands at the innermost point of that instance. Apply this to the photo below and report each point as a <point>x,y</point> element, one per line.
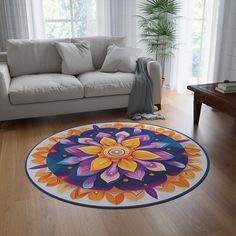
<point>121,59</point>
<point>76,57</point>
<point>33,56</point>
<point>98,47</point>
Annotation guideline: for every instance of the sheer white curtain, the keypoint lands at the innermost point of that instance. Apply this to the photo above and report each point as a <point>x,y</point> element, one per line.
<point>35,19</point>
<point>225,67</point>
<point>179,69</point>
<point>211,24</point>
<point>25,19</point>
<point>13,21</point>
<point>117,18</point>
<point>20,19</point>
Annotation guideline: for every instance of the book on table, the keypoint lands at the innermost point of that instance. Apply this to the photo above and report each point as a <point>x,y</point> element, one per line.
<point>225,91</point>
<point>229,86</point>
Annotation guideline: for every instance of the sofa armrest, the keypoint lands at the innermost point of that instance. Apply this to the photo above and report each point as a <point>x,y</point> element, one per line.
<point>154,70</point>
<point>5,79</point>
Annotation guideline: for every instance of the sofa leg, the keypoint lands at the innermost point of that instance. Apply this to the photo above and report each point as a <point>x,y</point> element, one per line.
<point>158,106</point>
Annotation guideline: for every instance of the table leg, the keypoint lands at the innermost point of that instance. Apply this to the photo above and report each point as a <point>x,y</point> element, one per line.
<point>197,111</point>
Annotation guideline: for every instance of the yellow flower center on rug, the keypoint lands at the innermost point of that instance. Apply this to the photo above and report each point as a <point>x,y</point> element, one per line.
<point>116,152</point>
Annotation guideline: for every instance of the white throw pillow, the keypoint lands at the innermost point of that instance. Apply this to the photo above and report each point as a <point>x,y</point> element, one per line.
<point>120,59</point>
<point>76,57</point>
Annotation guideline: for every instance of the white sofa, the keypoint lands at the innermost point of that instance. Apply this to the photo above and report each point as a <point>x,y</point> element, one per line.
<point>31,83</point>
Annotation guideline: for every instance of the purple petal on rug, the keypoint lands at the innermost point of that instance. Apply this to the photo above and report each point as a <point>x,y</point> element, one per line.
<point>152,192</point>
<point>110,174</point>
<point>39,167</point>
<point>183,140</point>
<point>101,135</point>
<point>89,182</point>
<point>96,127</point>
<point>153,166</point>
<point>67,142</point>
<point>75,150</point>
<point>70,161</point>
<point>120,136</point>
<point>84,169</point>
<point>164,155</point>
<point>154,145</point>
<point>89,141</point>
<point>137,174</point>
<point>176,164</point>
<point>137,131</point>
<point>144,139</point>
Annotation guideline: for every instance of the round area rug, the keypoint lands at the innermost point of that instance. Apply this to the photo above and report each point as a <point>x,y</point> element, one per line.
<point>117,165</point>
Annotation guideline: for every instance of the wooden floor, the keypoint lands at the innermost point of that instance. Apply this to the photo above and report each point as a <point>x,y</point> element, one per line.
<point>210,209</point>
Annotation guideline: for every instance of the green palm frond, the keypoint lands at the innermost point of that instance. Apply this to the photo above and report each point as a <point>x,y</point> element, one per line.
<point>161,6</point>
<point>158,24</point>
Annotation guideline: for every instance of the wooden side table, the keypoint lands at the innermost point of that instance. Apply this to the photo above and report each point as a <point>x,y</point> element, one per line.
<point>206,93</point>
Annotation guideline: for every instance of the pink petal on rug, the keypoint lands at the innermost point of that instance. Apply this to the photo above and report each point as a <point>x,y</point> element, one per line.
<point>153,166</point>
<point>70,161</point>
<point>143,138</point>
<point>176,164</point>
<point>89,182</point>
<point>87,157</point>
<point>101,135</point>
<point>120,136</point>
<point>84,169</point>
<point>89,141</point>
<point>164,155</point>
<point>137,131</point>
<point>137,174</point>
<point>110,174</point>
<point>75,160</point>
<point>75,150</point>
<point>67,142</point>
<point>154,145</point>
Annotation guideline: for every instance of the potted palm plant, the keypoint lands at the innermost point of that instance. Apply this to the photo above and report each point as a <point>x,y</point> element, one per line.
<point>158,25</point>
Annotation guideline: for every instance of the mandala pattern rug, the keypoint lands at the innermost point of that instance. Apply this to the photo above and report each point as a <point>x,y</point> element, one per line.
<point>117,165</point>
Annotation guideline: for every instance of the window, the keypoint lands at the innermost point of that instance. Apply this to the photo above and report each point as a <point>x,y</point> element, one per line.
<point>69,18</point>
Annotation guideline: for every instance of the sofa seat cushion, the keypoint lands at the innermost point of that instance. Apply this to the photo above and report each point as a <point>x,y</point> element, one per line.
<point>97,84</point>
<point>44,88</point>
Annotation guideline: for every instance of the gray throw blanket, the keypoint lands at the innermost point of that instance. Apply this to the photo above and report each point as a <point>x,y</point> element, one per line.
<point>140,100</point>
